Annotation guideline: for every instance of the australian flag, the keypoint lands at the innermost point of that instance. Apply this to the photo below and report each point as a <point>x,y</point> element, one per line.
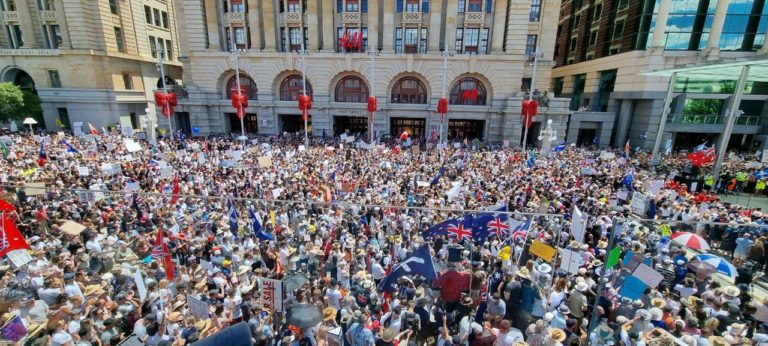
<point>70,148</point>
<point>232,212</point>
<point>418,263</point>
<point>531,159</point>
<point>489,224</point>
<point>519,232</point>
<point>459,228</point>
<point>258,231</point>
<point>439,174</point>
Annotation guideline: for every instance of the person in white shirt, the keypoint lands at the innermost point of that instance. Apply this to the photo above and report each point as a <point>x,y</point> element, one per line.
<point>505,334</point>
<point>334,295</point>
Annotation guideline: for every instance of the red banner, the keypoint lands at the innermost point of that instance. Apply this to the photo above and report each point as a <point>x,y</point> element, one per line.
<point>470,94</point>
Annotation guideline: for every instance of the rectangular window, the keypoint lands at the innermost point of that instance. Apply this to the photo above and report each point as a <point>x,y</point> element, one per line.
<point>63,116</point>
<point>598,12</point>
<point>14,32</point>
<point>459,47</point>
<point>47,37</point>
<point>294,6</point>
<point>53,75</point>
<point>352,6</point>
<point>10,5</point>
<point>165,19</point>
<point>47,5</point>
<point>398,40</point>
<point>618,30</point>
<point>475,6</point>
<point>148,14</point>
<point>364,6</point>
<point>530,45</point>
<point>412,5</point>
<point>484,41</point>
<point>573,44</point>
<point>576,21</point>
<point>471,40</point>
<point>295,39</point>
<point>525,84</point>
<point>423,42</point>
<point>153,46</point>
<point>156,13</point>
<point>462,6</point>
<point>161,47</point>
<point>411,40</point>
<point>119,40</point>
<point>127,82</point>
<point>488,6</point>
<point>168,50</point>
<point>592,38</point>
<point>535,14</point>
<point>622,5</point>
<point>113,6</point>
<point>238,6</point>
<point>54,32</point>
<point>425,6</point>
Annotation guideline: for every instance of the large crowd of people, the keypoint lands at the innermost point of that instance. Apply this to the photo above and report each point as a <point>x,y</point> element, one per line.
<point>175,242</point>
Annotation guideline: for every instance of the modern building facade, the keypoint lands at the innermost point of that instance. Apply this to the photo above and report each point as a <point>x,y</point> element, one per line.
<point>604,47</point>
<point>488,72</point>
<point>89,61</point>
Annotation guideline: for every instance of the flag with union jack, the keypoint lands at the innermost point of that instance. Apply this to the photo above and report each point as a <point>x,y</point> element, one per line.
<point>161,253</point>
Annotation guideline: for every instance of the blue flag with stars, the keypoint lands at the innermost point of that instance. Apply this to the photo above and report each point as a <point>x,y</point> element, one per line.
<point>232,212</point>
<point>418,263</point>
<point>459,228</point>
<point>258,231</point>
<point>494,223</point>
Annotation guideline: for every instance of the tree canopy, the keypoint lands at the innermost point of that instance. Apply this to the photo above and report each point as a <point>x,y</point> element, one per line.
<point>12,102</point>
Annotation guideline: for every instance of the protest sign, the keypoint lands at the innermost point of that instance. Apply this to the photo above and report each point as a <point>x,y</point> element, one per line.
<point>542,250</point>
<point>77,128</point>
<point>83,171</point>
<point>72,228</point>
<point>35,189</point>
<point>109,169</point>
<point>613,257</point>
<point>638,204</point>
<point>647,275</point>
<point>271,294</point>
<point>206,265</point>
<point>197,307</point>
<point>132,146</point>
<point>19,257</point>
<point>578,224</point>
<point>14,330</point>
<point>632,288</point>
<point>132,186</point>
<point>570,261</point>
<point>265,161</point>
<point>140,285</point>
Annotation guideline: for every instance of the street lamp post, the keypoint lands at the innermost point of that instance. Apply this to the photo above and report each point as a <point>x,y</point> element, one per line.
<point>446,53</point>
<point>372,108</point>
<point>530,94</point>
<point>160,53</point>
<point>305,113</point>
<point>235,59</point>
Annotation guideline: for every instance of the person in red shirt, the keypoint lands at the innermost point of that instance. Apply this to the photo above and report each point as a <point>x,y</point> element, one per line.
<point>451,284</point>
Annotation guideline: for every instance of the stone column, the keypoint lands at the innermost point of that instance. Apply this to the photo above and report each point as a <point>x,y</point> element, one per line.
<point>499,20</point>
<point>713,41</point>
<point>254,24</point>
<point>373,24</point>
<point>329,43</point>
<point>451,15</point>
<point>270,31</point>
<point>658,38</point>
<point>212,21</point>
<point>435,23</point>
<point>311,23</point>
<point>25,21</point>
<point>622,126</point>
<point>66,42</point>
<point>388,27</point>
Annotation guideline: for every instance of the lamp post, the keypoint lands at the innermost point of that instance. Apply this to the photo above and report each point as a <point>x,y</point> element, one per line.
<point>160,53</point>
<point>372,102</point>
<point>530,94</point>
<point>442,106</point>
<point>236,61</point>
<point>305,113</point>
<point>547,136</point>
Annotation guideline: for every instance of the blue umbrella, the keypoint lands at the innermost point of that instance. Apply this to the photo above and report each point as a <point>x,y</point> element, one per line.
<point>723,267</point>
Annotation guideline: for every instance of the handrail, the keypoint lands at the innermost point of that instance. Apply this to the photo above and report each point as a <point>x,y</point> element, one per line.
<point>713,119</point>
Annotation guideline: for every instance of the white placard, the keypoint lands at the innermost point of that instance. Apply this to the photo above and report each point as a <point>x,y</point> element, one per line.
<point>343,137</point>
<point>422,183</point>
<point>655,186</point>
<point>648,275</point>
<point>132,186</point>
<point>19,257</point>
<point>132,146</point>
<point>237,155</point>
<point>97,194</point>
<point>207,265</point>
<point>622,195</point>
<point>77,128</point>
<point>128,132</point>
<point>166,172</point>
<point>83,171</point>
<point>578,224</point>
<point>570,261</point>
<point>276,192</point>
<point>350,139</point>
<point>110,169</point>
<point>302,148</point>
<point>638,204</point>
<point>604,155</point>
<point>694,186</point>
<point>140,285</point>
<point>197,307</point>
<point>457,145</point>
<point>765,156</point>
<point>271,294</point>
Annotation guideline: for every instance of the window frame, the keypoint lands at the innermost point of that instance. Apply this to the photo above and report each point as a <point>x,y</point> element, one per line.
<point>148,14</point>
<point>409,94</point>
<point>456,97</point>
<point>616,31</point>
<point>156,15</point>
<point>412,6</point>
<point>351,94</point>
<point>113,7</point>
<point>127,81</point>
<point>54,78</point>
<point>351,5</point>
<point>246,83</point>
<point>119,39</point>
<point>535,13</point>
<point>289,92</point>
<point>474,6</point>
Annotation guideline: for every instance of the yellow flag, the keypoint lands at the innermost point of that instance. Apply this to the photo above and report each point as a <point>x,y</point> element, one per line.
<point>505,253</point>
<point>272,217</point>
<point>28,172</point>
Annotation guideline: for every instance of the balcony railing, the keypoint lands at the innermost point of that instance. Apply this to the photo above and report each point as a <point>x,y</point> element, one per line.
<point>474,18</point>
<point>291,18</point>
<point>701,119</point>
<point>350,17</point>
<point>236,17</point>
<point>10,15</point>
<point>411,18</point>
<point>48,15</point>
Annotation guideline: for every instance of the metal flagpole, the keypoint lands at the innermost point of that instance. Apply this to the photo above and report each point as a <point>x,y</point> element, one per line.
<point>160,53</point>
<point>603,279</point>
<point>446,53</point>
<point>373,55</point>
<point>530,93</point>
<point>522,247</point>
<point>239,89</point>
<point>302,53</point>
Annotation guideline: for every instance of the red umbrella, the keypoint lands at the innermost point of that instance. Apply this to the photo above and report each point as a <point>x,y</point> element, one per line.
<point>6,207</point>
<point>690,240</point>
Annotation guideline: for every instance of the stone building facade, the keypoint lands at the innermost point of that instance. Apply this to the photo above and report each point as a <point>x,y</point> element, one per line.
<point>488,72</point>
<point>89,61</point>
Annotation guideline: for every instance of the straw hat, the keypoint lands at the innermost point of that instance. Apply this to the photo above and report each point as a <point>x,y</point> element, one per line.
<point>656,314</point>
<point>243,269</point>
<point>388,335</point>
<point>35,328</point>
<point>582,286</point>
<point>717,341</point>
<point>658,303</point>
<point>178,304</point>
<point>174,316</point>
<point>203,326</point>
<point>731,291</point>
<point>329,313</point>
<point>523,273</point>
<point>557,334</point>
<point>94,290</point>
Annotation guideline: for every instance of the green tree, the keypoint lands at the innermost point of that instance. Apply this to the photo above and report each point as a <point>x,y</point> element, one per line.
<point>11,102</point>
<point>32,107</point>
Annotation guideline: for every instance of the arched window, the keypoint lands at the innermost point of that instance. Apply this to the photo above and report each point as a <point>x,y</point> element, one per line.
<point>292,87</point>
<point>351,89</point>
<point>468,91</point>
<point>409,90</point>
<point>246,83</point>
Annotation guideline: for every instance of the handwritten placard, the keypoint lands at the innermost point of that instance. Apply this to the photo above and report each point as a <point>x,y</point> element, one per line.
<point>570,261</point>
<point>197,307</point>
<point>648,275</point>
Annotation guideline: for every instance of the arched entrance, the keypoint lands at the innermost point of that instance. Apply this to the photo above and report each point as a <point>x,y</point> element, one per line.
<point>21,78</point>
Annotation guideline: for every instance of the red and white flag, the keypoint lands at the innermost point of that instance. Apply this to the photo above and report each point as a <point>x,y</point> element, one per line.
<point>10,237</point>
<point>93,130</point>
<point>175,191</point>
<point>161,252</point>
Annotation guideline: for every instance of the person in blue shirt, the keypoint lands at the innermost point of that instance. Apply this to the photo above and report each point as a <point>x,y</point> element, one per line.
<point>742,248</point>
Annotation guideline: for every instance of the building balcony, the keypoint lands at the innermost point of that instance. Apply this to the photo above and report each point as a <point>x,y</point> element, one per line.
<point>411,18</point>
<point>50,16</point>
<point>237,18</point>
<point>350,18</point>
<point>10,15</point>
<point>745,124</point>
<point>474,18</point>
<point>292,18</point>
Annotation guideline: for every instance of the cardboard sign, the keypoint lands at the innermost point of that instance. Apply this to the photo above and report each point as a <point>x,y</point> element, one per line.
<point>613,257</point>
<point>132,186</point>
<point>632,288</point>
<point>132,146</point>
<point>77,128</point>
<point>166,172</point>
<point>35,189</point>
<point>265,161</point>
<point>109,169</point>
<point>638,204</point>
<point>83,171</point>
<point>140,285</point>
<point>271,294</point>
<point>72,228</point>
<point>648,275</point>
<point>197,307</point>
<point>578,224</point>
<point>542,250</point>
<point>19,257</point>
<point>655,186</point>
<point>208,266</point>
<point>570,261</point>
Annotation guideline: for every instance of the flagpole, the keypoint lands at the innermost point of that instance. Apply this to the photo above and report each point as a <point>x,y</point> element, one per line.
<point>530,94</point>
<point>239,89</point>
<point>160,53</point>
<point>305,114</point>
<point>522,248</point>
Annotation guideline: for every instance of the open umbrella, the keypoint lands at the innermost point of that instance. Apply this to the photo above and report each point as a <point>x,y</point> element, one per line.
<point>701,267</point>
<point>6,207</point>
<point>690,240</point>
<point>722,266</point>
<point>294,282</point>
<point>304,315</point>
